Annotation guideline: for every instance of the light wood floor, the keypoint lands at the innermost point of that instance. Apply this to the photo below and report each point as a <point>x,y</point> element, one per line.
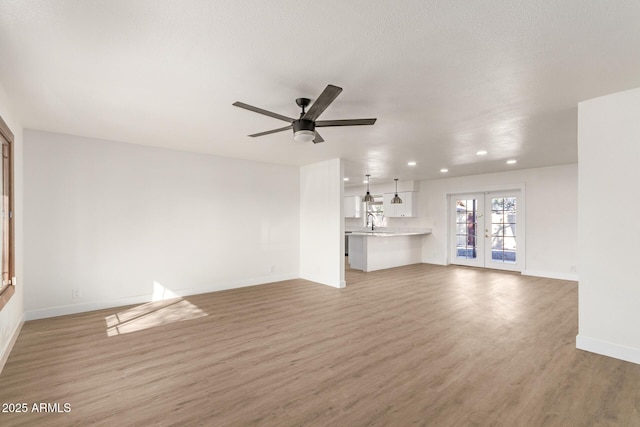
<point>416,345</point>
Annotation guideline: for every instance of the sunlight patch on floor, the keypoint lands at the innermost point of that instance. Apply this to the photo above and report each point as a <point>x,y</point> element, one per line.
<point>165,308</point>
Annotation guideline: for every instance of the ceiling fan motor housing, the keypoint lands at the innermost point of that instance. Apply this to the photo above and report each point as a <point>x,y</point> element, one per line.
<point>302,124</point>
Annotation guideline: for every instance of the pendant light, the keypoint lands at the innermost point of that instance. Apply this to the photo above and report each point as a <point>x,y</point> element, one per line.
<point>396,199</point>
<point>368,197</point>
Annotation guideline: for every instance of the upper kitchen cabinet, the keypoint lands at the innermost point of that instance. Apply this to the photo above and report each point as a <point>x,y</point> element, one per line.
<point>407,208</point>
<point>353,206</point>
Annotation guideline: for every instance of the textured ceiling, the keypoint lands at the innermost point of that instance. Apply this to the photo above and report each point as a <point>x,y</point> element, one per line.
<point>444,78</point>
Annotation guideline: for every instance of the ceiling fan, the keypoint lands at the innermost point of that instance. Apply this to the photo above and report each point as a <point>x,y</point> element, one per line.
<point>304,128</point>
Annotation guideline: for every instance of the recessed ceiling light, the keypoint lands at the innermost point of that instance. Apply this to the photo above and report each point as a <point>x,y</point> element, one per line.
<point>365,182</point>
<point>512,162</point>
<point>411,163</point>
<point>444,170</point>
<point>482,153</point>
<point>346,179</point>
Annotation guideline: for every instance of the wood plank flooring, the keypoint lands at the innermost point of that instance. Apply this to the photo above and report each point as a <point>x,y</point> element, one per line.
<point>416,345</point>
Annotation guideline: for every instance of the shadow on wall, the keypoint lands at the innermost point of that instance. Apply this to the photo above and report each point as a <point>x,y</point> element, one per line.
<point>165,308</point>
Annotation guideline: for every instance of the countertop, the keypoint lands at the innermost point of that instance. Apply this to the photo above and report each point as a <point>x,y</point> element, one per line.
<point>389,233</point>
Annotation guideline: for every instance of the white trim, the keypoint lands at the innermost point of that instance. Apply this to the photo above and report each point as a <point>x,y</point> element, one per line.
<point>434,261</point>
<point>341,284</point>
<point>551,275</point>
<point>448,225</point>
<point>617,351</point>
<point>6,351</point>
<point>142,299</point>
<point>490,189</point>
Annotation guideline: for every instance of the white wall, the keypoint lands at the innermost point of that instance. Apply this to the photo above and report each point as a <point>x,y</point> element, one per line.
<point>551,210</point>
<point>322,223</point>
<point>111,219</point>
<point>609,291</point>
<point>11,315</point>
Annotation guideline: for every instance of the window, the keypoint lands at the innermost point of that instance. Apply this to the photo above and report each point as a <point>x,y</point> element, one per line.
<point>6,214</point>
<point>375,213</point>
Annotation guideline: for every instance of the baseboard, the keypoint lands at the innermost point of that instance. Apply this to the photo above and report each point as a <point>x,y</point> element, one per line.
<point>536,273</point>
<point>551,275</point>
<point>434,261</point>
<point>65,310</point>
<point>617,351</point>
<point>142,299</point>
<point>341,284</point>
<point>6,351</point>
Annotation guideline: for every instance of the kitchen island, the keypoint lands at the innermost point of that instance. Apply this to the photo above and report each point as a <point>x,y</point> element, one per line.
<point>380,249</point>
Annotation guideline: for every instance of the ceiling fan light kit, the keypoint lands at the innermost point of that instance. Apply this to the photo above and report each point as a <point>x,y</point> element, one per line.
<point>304,128</point>
<point>304,135</point>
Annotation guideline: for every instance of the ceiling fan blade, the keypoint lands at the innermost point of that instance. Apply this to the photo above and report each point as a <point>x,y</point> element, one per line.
<point>271,131</point>
<point>318,138</point>
<point>349,122</point>
<point>326,97</point>
<point>261,111</point>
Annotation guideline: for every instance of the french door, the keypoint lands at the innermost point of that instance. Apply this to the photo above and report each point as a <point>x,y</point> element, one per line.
<point>484,230</point>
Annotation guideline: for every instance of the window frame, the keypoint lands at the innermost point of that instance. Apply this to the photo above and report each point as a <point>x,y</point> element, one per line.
<point>7,285</point>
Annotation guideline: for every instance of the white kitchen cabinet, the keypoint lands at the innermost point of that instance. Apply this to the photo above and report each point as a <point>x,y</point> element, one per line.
<point>353,206</point>
<point>407,208</point>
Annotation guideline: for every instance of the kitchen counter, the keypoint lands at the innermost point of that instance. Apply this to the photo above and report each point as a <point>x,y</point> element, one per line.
<point>375,250</point>
<point>387,233</point>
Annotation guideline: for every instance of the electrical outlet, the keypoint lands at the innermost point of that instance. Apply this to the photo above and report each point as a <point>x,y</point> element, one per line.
<point>75,293</point>
<point>273,268</point>
<point>572,268</point>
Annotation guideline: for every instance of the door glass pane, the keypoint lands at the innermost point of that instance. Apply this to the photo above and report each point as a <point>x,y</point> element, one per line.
<point>497,243</point>
<point>509,243</point>
<point>503,229</point>
<point>466,228</point>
